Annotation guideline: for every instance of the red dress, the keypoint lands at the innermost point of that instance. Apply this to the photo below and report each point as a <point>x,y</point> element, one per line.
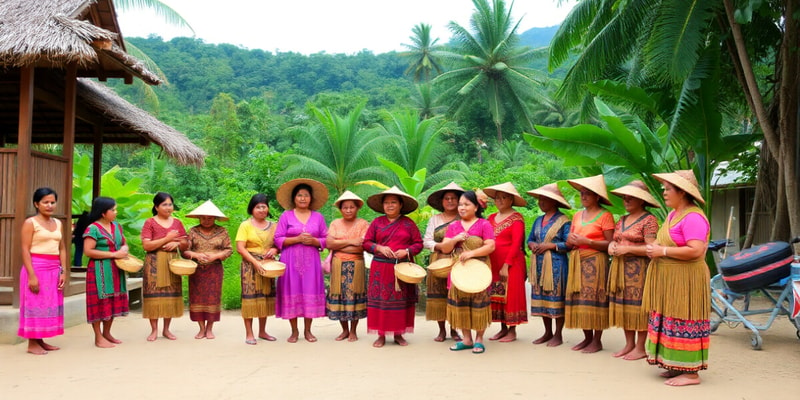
<point>511,309</point>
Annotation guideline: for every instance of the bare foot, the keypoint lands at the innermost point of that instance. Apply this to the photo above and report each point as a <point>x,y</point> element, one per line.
<point>683,380</point>
<point>379,342</point>
<point>635,355</point>
<point>544,338</point>
<point>111,338</point>
<point>293,338</point>
<point>510,337</point>
<point>670,374</point>
<point>270,338</point>
<point>309,337</point>
<point>555,341</point>
<point>592,348</point>
<point>499,335</point>
<point>440,337</point>
<point>168,335</point>
<point>581,345</point>
<point>152,337</point>
<point>36,349</point>
<point>103,343</point>
<point>48,347</point>
<point>454,334</point>
<point>210,335</point>
<point>399,340</point>
<point>200,335</point>
<point>625,350</point>
<point>342,336</point>
<point>353,337</point>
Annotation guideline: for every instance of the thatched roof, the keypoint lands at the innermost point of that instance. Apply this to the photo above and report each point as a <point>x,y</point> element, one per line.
<point>58,32</point>
<point>133,119</point>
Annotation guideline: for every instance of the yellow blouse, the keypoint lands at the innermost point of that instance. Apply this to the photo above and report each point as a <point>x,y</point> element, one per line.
<point>257,241</point>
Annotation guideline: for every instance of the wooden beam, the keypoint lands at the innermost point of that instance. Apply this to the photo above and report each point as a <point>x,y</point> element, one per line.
<point>24,132</point>
<point>70,109</point>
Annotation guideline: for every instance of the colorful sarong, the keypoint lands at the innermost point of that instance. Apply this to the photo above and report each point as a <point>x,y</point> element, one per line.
<point>41,315</point>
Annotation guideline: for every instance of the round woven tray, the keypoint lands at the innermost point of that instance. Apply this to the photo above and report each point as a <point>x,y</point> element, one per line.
<point>129,264</point>
<point>471,276</point>
<point>180,266</point>
<point>272,269</point>
<point>409,272</point>
<point>441,267</point>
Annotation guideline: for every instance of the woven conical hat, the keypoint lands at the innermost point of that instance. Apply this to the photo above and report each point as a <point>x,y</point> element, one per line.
<point>207,209</point>
<point>683,180</point>
<point>638,190</point>
<point>509,188</point>
<point>375,201</point>
<point>435,199</point>
<point>552,192</point>
<point>596,184</point>
<point>471,276</point>
<point>319,196</point>
<point>348,195</point>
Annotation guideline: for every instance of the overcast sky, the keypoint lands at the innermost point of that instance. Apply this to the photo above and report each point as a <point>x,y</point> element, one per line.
<point>331,26</point>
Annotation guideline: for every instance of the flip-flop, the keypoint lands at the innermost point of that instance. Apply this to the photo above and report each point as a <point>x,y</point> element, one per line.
<point>251,342</point>
<point>478,348</point>
<point>460,346</point>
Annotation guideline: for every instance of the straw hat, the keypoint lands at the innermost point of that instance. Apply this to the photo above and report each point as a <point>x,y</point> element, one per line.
<point>348,195</point>
<point>552,192</point>
<point>435,199</point>
<point>375,201</point>
<point>207,209</point>
<point>471,276</point>
<point>684,180</point>
<point>319,195</point>
<point>509,188</point>
<point>596,184</point>
<point>638,190</point>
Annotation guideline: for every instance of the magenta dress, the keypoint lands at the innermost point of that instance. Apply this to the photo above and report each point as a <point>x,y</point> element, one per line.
<point>301,290</point>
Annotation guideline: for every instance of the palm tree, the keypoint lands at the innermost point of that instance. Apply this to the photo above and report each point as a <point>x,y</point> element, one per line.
<point>164,11</point>
<point>337,152</point>
<point>424,63</point>
<point>489,67</point>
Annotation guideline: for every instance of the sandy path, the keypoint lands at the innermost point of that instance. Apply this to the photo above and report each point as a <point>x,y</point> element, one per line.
<point>226,368</point>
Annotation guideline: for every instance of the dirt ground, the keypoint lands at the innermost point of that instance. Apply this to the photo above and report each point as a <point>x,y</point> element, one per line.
<point>226,368</point>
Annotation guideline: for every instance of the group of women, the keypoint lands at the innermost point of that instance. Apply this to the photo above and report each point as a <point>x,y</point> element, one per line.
<point>586,273</point>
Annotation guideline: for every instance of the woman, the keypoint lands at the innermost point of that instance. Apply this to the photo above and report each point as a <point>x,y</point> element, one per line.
<point>347,296</point>
<point>469,311</point>
<point>300,236</point>
<point>42,278</point>
<point>509,303</point>
<point>445,200</point>
<point>677,287</point>
<point>548,276</point>
<point>209,245</point>
<point>255,243</point>
<point>106,289</point>
<point>162,237</point>
<point>393,238</point>
<point>586,301</point>
<point>629,267</point>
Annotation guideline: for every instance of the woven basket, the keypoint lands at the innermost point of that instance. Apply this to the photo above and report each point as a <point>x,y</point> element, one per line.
<point>272,269</point>
<point>409,272</point>
<point>471,276</point>
<point>181,266</point>
<point>129,264</point>
<point>441,267</point>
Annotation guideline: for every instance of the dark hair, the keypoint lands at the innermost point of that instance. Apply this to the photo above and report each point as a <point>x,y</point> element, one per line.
<point>257,199</point>
<point>160,198</point>
<point>473,198</point>
<point>99,207</point>
<point>39,194</point>
<point>299,187</point>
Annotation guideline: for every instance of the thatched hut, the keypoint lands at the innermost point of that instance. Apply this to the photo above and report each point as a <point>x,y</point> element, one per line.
<point>49,51</point>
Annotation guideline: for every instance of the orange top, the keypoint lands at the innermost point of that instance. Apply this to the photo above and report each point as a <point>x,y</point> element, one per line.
<point>338,231</point>
<point>45,241</point>
<point>593,230</point>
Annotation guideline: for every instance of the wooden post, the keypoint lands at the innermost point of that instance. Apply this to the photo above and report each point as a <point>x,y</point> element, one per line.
<point>24,133</point>
<point>97,162</point>
<point>70,109</point>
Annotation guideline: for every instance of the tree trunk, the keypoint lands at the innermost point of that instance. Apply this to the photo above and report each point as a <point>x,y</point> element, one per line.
<point>499,132</point>
<point>788,109</point>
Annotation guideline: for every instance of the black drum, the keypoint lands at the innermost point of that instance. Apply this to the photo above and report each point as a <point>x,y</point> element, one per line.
<point>757,267</point>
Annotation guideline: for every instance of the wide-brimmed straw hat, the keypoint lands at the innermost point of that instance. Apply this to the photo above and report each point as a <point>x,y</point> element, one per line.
<point>596,184</point>
<point>375,201</point>
<point>435,199</point>
<point>207,209</point>
<point>638,190</point>
<point>319,195</point>
<point>684,180</point>
<point>348,195</point>
<point>552,192</point>
<point>509,188</point>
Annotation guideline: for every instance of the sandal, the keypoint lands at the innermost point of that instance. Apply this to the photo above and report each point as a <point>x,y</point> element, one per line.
<point>479,348</point>
<point>251,342</point>
<point>460,346</point>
